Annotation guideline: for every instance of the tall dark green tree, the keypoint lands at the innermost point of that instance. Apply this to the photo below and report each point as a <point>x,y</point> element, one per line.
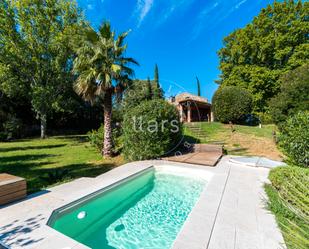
<point>198,87</point>
<point>149,89</point>
<point>157,90</point>
<point>275,42</point>
<point>36,52</point>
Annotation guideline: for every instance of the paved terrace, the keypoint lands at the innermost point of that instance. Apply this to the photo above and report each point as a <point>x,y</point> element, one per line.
<point>230,213</point>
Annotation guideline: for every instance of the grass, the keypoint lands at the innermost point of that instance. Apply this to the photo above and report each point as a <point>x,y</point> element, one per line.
<point>244,140</point>
<point>57,159</point>
<point>289,201</point>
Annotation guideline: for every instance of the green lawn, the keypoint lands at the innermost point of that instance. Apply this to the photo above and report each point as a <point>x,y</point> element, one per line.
<point>56,159</point>
<point>216,131</point>
<point>244,140</point>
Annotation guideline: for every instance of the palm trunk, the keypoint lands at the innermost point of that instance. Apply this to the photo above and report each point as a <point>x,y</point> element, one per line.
<point>108,142</point>
<point>43,125</point>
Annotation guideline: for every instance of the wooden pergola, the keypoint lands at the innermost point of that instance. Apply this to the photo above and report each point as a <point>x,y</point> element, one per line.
<point>193,108</point>
<point>194,111</point>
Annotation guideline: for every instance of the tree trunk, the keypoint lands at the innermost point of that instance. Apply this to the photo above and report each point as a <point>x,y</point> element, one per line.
<point>43,125</point>
<point>108,142</point>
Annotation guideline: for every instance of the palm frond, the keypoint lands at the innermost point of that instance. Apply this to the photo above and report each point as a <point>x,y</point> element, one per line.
<point>100,64</point>
<point>120,40</point>
<point>105,30</point>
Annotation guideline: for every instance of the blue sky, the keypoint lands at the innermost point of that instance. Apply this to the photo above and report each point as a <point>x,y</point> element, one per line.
<point>181,36</point>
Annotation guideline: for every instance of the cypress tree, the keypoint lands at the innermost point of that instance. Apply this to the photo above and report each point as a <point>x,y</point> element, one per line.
<point>149,90</point>
<point>157,90</point>
<point>198,87</point>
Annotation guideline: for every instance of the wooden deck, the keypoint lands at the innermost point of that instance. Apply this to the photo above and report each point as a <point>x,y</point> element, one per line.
<point>12,188</point>
<point>202,154</point>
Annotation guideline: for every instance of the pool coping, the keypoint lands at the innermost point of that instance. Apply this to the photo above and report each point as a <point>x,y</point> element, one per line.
<point>196,232</point>
<point>197,229</point>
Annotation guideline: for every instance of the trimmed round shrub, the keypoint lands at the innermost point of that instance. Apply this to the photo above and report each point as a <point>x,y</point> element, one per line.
<point>294,138</point>
<point>150,130</point>
<point>231,104</point>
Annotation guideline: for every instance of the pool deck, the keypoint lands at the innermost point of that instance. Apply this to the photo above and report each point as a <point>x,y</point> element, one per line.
<point>230,213</point>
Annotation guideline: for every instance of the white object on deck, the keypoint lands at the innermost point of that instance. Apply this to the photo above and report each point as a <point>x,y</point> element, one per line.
<point>255,161</point>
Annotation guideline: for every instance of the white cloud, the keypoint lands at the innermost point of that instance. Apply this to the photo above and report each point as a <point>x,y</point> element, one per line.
<point>167,9</point>
<point>201,19</point>
<point>143,8</point>
<point>175,5</point>
<point>89,6</point>
<point>239,4</point>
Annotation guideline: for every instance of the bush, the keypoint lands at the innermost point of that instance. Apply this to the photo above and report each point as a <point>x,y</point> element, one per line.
<point>150,130</point>
<point>265,118</point>
<point>289,201</point>
<point>231,103</point>
<point>293,96</point>
<point>294,138</point>
<point>12,129</point>
<point>96,138</point>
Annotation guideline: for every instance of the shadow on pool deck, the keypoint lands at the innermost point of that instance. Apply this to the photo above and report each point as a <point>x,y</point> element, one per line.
<point>20,229</point>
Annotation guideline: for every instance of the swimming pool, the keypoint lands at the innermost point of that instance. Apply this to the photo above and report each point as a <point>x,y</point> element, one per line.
<point>144,211</point>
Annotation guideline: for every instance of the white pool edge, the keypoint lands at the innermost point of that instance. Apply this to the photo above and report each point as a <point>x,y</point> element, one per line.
<point>197,230</point>
<point>69,192</point>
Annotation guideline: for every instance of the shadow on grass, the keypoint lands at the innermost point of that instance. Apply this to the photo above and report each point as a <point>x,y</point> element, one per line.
<point>19,148</point>
<point>75,138</point>
<point>21,159</point>
<point>51,176</point>
<point>42,170</point>
<point>237,151</point>
<point>25,166</point>
<point>191,140</point>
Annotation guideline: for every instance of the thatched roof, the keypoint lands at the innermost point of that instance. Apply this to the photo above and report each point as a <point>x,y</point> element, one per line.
<point>188,96</point>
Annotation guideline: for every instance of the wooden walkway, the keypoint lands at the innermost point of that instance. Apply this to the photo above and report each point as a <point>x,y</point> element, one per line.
<point>202,154</point>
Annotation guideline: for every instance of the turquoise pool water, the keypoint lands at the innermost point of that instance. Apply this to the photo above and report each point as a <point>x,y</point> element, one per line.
<point>145,212</point>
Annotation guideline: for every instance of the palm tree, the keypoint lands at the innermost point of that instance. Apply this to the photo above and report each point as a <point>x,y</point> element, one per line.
<point>102,71</point>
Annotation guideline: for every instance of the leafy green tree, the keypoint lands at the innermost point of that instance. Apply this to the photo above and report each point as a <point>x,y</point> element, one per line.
<point>231,103</point>
<point>293,96</point>
<point>35,52</point>
<point>139,91</point>
<point>198,87</point>
<point>157,90</point>
<point>275,42</point>
<point>102,71</point>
